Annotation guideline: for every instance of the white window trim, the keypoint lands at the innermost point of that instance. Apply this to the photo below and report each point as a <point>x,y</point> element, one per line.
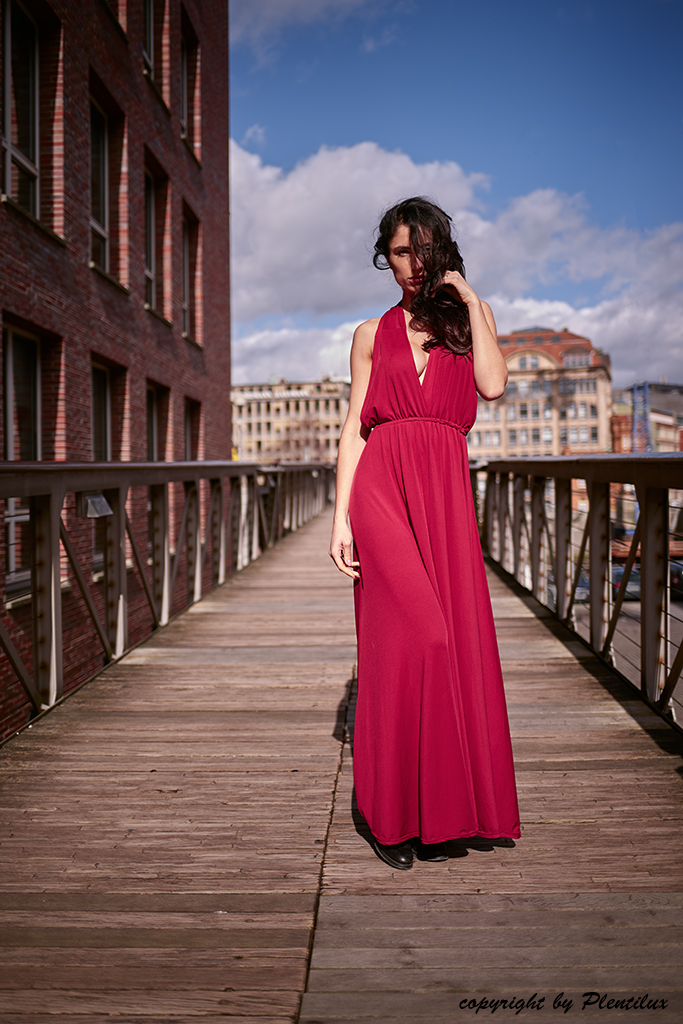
<point>10,153</point>
<point>101,229</point>
<point>107,411</point>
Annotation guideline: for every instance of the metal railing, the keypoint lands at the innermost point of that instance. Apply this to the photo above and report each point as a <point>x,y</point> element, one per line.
<point>599,541</point>
<point>219,518</point>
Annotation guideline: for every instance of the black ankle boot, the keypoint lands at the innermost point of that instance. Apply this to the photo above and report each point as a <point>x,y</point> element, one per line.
<point>398,856</point>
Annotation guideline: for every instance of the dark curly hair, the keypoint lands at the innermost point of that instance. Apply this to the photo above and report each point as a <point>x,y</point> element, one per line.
<point>433,309</point>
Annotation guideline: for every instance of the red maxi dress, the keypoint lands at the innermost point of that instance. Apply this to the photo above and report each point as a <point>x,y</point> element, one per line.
<point>432,751</point>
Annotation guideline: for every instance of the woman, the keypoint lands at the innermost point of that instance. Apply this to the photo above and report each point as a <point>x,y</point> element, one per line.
<point>432,753</point>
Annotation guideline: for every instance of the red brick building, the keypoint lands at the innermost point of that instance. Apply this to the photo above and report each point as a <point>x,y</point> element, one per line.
<point>114,262</point>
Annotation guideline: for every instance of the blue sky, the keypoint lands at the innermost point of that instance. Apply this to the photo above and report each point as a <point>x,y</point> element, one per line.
<point>552,132</point>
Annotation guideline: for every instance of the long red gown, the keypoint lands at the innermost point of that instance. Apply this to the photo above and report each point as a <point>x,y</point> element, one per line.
<point>432,751</point>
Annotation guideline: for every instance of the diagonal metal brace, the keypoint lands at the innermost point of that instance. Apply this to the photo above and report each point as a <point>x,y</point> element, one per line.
<point>84,589</point>
<point>20,669</point>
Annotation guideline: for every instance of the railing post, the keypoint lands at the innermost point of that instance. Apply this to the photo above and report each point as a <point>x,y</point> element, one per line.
<point>217,527</point>
<point>193,545</point>
<point>538,574</point>
<point>115,577</point>
<point>161,561</point>
<point>518,513</point>
<point>503,501</point>
<point>599,561</point>
<point>243,524</point>
<point>654,558</point>
<point>46,510</point>
<point>563,526</point>
<point>489,513</point>
<point>254,512</point>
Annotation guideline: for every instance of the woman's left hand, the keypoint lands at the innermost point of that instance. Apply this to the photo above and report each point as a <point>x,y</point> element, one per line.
<point>455,283</point>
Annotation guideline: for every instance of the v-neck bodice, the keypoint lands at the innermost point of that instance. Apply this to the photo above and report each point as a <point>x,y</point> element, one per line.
<point>445,394</point>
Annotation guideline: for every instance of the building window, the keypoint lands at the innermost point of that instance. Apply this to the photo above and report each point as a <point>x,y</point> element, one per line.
<point>99,188</point>
<point>572,410</point>
<point>594,435</point>
<point>512,438</point>
<point>523,411</point>
<point>191,277</point>
<point>523,387</point>
<point>523,437</point>
<point>522,362</point>
<point>547,411</point>
<point>496,438</point>
<point>193,413</point>
<point>150,243</point>
<point>563,435</point>
<point>152,425</point>
<point>546,387</point>
<point>573,436</point>
<point>583,411</point>
<point>484,413</point>
<point>594,412</point>
<point>487,438</point>
<point>101,414</point>
<point>535,436</point>
<point>157,231</point>
<point>20,135</point>
<point>547,435</point>
<point>534,362</point>
<point>477,439</point>
<point>583,435</point>
<point>512,388</point>
<point>190,86</point>
<point>155,48</point>
<point>534,411</point>
<point>510,414</point>
<point>22,400</point>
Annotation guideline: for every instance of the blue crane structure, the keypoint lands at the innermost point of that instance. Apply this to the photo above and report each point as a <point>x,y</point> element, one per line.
<point>641,432</point>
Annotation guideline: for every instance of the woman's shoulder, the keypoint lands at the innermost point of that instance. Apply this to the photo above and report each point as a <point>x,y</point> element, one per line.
<point>364,335</point>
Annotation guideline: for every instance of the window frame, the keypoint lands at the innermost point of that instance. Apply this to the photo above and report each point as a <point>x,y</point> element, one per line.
<point>150,241</point>
<point>152,424</point>
<point>10,332</point>
<point>184,53</point>
<point>101,229</point>
<point>11,153</point>
<point>148,36</point>
<point>107,410</point>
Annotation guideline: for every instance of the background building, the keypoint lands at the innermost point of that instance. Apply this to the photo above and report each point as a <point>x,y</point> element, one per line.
<point>662,412</point>
<point>557,401</point>
<point>290,421</point>
<point>114,263</point>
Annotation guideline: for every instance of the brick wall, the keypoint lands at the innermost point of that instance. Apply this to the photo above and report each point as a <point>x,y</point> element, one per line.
<point>80,314</point>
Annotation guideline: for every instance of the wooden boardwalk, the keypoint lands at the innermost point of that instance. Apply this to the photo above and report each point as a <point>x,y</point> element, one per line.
<point>178,836</point>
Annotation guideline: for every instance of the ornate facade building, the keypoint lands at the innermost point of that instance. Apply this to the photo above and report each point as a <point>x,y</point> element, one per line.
<point>557,401</point>
<point>290,421</point>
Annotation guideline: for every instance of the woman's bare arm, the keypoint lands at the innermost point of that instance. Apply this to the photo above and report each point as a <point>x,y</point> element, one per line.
<point>490,369</point>
<point>351,445</point>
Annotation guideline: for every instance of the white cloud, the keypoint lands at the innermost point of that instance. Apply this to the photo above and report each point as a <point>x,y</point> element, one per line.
<point>302,242</point>
<point>252,21</point>
<point>293,353</point>
<point>256,135</point>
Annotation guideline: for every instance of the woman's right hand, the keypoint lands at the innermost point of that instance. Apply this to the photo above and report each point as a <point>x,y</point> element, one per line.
<point>341,551</point>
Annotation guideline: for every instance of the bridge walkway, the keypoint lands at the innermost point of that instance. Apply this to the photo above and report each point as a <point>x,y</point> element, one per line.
<point>178,840</point>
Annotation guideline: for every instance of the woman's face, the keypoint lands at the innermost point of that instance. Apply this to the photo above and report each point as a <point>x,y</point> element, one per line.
<point>406,266</point>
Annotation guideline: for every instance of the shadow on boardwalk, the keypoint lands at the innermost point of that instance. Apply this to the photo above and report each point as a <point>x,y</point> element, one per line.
<point>177,836</point>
